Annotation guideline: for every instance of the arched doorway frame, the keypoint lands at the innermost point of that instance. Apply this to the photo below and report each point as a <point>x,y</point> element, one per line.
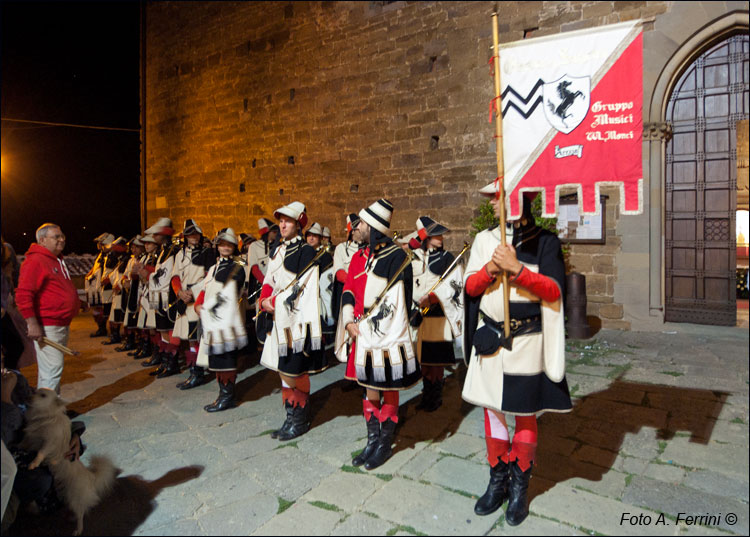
<point>657,132</point>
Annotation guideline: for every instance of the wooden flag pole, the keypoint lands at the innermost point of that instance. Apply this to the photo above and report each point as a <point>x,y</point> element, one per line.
<point>500,167</point>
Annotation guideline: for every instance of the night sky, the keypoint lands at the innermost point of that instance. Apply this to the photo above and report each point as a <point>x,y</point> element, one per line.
<point>77,63</point>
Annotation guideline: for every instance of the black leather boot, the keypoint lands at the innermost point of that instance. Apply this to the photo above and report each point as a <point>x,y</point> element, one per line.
<point>129,344</point>
<point>436,401</point>
<point>383,450</point>
<point>155,358</point>
<point>142,351</point>
<point>426,394</point>
<point>373,435</point>
<point>289,408</point>
<point>518,509</point>
<point>497,490</point>
<point>101,331</point>
<point>171,367</point>
<point>197,377</point>
<point>300,423</point>
<point>225,399</point>
<point>114,339</point>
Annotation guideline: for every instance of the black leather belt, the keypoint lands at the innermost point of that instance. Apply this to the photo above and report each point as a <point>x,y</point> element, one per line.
<point>489,343</point>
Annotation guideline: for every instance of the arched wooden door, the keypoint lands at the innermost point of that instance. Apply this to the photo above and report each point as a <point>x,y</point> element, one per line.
<point>701,185</point>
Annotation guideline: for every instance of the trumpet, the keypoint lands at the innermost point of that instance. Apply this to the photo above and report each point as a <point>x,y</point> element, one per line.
<point>391,282</point>
<point>445,275</point>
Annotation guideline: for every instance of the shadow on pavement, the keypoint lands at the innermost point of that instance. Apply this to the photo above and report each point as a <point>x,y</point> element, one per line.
<point>127,506</point>
<point>341,398</point>
<point>105,394</point>
<point>419,426</point>
<point>257,386</point>
<point>585,443</point>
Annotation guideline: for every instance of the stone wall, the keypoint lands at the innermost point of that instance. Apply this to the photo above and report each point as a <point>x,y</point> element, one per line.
<point>252,105</point>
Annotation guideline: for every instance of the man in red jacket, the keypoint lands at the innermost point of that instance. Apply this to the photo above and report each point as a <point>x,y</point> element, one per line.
<point>48,300</point>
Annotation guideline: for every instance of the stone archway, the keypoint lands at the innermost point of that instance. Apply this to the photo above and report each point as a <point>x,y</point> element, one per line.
<point>704,105</point>
<point>669,54</point>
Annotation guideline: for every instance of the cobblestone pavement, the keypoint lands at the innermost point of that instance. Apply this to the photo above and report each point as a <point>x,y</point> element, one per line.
<point>659,427</point>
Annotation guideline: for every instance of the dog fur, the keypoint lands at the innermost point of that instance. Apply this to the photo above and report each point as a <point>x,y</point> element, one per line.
<point>47,431</point>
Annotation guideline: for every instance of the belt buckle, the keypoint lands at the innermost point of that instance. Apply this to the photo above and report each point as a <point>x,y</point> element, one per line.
<point>514,324</point>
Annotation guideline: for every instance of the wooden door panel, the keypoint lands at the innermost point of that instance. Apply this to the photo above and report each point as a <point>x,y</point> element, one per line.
<point>701,178</point>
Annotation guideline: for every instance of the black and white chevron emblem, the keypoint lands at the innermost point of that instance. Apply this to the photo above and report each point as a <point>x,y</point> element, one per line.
<point>523,102</point>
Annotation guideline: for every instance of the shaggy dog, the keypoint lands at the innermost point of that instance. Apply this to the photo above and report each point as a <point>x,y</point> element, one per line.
<point>48,433</point>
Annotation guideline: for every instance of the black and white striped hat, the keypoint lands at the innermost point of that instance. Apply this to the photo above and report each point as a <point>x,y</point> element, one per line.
<point>352,221</point>
<point>378,215</point>
<point>427,227</point>
<point>191,228</point>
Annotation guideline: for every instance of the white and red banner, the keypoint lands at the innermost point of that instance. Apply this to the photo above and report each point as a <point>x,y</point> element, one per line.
<point>572,107</point>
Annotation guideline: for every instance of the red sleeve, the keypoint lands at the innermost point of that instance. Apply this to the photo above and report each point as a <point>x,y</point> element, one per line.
<point>200,299</point>
<point>478,282</point>
<point>265,292</point>
<point>176,284</point>
<point>341,275</point>
<point>257,274</point>
<point>29,283</point>
<point>542,286</point>
<point>150,268</point>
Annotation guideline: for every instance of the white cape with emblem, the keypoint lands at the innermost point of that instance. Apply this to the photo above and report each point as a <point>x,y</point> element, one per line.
<point>450,292</point>
<point>386,330</point>
<point>326,296</point>
<point>223,327</point>
<point>297,310</point>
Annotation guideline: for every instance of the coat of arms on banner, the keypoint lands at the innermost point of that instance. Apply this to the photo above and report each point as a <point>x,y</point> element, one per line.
<point>589,87</point>
<point>566,102</point>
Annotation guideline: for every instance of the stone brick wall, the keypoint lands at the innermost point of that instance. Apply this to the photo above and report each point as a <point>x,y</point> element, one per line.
<point>252,105</point>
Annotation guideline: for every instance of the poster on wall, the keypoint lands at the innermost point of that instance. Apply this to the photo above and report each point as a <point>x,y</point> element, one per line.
<point>572,117</point>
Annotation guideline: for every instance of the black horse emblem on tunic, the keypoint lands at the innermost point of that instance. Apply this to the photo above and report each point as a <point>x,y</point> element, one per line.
<point>458,290</point>
<point>214,311</point>
<point>159,273</point>
<point>568,98</point>
<point>384,311</point>
<point>289,301</point>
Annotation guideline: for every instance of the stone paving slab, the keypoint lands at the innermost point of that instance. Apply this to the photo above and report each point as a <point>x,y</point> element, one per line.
<point>288,472</point>
<point>712,456</point>
<point>361,524</point>
<point>170,509</point>
<point>239,518</point>
<point>718,484</point>
<point>459,475</point>
<point>535,525</point>
<point>225,488</point>
<point>422,461</point>
<point>302,518</point>
<point>347,491</point>
<point>180,527</point>
<point>586,511</point>
<point>428,509</point>
<point>674,499</point>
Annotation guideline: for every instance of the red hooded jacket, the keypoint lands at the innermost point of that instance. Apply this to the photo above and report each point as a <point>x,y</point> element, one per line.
<point>45,290</point>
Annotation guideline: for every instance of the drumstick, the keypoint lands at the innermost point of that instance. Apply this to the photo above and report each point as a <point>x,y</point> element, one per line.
<point>61,348</point>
